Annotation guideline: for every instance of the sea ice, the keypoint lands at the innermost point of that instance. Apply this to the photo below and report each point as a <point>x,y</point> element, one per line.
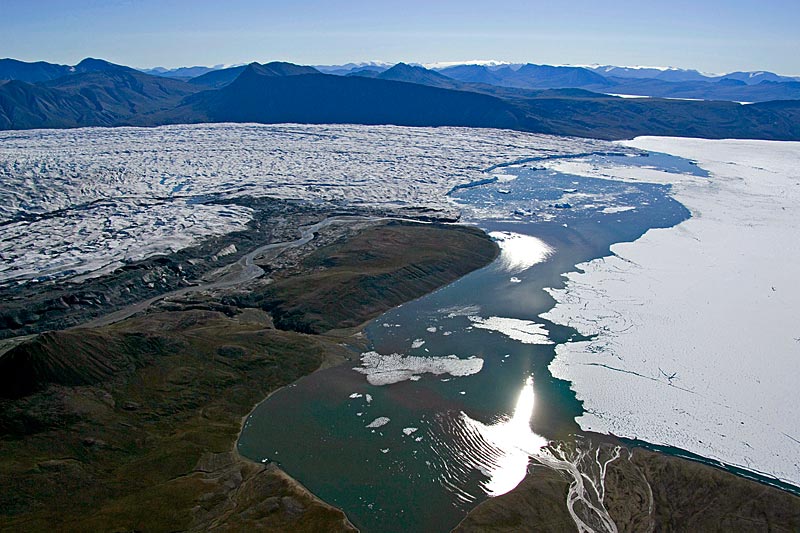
<point>378,422</point>
<point>697,324</point>
<point>524,331</point>
<point>459,310</point>
<point>617,209</point>
<point>394,368</point>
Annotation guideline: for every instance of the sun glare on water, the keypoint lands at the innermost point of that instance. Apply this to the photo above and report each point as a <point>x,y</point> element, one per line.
<point>519,252</point>
<point>514,442</point>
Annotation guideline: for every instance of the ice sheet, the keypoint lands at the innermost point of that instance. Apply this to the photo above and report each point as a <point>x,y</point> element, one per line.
<point>82,200</point>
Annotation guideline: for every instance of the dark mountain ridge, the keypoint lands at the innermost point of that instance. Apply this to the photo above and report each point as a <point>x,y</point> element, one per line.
<point>98,93</point>
<point>412,74</point>
<point>258,95</point>
<point>40,71</point>
<point>220,78</point>
<point>528,76</point>
<point>12,69</point>
<point>180,73</point>
<point>94,93</point>
<point>736,87</point>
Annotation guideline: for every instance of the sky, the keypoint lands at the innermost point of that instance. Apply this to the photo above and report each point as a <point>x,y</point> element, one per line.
<point>715,36</point>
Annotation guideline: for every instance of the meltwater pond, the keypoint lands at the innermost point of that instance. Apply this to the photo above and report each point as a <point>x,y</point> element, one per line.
<point>455,394</point>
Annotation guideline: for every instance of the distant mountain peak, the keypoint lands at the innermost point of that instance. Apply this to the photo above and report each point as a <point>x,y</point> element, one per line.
<point>478,62</point>
<point>416,74</point>
<point>405,67</point>
<point>91,64</point>
<point>280,68</point>
<point>94,63</point>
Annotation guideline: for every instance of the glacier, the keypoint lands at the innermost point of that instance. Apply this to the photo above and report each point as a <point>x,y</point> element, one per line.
<point>82,201</point>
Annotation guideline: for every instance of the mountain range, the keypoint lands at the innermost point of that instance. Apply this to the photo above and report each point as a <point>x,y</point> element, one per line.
<point>537,98</point>
<point>633,81</point>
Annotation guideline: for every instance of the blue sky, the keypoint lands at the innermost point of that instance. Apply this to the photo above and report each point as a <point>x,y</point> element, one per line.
<point>710,35</point>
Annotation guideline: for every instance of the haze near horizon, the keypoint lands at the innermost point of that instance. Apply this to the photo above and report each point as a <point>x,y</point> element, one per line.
<point>715,36</point>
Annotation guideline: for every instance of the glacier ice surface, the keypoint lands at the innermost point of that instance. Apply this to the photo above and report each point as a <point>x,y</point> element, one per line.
<point>87,200</point>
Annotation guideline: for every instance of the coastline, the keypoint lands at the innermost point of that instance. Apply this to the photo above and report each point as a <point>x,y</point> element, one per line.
<point>199,366</point>
<point>299,487</point>
<point>244,463</point>
<point>733,496</point>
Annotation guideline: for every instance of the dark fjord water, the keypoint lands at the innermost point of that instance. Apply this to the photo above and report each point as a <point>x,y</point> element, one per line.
<point>452,441</point>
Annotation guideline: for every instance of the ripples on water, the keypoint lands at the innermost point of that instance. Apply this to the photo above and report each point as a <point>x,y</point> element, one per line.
<point>451,441</point>
<point>503,450</point>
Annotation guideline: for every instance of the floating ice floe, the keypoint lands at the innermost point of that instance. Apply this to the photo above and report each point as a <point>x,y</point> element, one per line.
<point>378,422</point>
<point>409,431</point>
<point>459,310</point>
<point>617,209</point>
<point>524,331</point>
<point>417,343</point>
<point>394,368</point>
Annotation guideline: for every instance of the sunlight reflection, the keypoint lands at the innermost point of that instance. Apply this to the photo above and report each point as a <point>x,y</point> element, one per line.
<point>514,441</point>
<point>519,252</point>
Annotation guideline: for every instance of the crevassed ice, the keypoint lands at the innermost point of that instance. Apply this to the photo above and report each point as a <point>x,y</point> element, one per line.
<point>107,195</point>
